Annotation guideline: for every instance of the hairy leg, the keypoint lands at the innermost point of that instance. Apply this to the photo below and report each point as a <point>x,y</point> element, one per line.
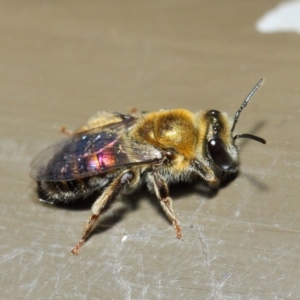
<point>162,193</point>
<point>104,202</point>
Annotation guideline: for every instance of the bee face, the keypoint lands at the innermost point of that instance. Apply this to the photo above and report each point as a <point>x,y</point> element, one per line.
<point>220,147</point>
<point>116,153</point>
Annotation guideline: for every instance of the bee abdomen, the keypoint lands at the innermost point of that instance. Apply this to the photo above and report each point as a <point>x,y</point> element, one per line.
<point>68,191</point>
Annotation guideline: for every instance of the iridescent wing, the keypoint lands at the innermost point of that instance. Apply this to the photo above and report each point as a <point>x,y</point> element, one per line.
<point>92,152</point>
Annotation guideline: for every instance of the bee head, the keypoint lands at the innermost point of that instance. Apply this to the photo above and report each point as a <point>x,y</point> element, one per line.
<point>221,147</point>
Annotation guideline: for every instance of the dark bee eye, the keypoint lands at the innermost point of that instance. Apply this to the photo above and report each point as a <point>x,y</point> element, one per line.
<point>219,155</point>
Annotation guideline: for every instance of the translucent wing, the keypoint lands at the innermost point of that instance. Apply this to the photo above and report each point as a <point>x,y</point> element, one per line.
<point>92,152</point>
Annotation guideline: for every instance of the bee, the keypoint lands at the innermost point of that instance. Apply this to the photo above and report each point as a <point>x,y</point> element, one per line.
<point>116,153</point>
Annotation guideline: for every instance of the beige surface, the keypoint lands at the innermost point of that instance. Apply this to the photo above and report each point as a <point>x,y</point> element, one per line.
<point>61,61</point>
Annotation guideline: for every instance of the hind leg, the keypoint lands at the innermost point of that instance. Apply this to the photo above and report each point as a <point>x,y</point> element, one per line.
<point>104,202</point>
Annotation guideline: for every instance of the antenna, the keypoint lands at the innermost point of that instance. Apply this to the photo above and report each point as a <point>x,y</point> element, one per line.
<point>248,98</point>
<point>237,115</point>
<point>250,136</point>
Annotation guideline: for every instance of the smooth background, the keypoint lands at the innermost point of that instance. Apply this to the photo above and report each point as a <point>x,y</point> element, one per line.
<point>62,61</point>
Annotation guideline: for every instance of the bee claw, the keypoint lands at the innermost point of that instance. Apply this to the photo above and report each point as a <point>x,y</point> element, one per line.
<point>75,250</point>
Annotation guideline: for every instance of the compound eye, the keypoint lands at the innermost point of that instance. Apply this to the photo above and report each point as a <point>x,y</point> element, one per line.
<point>219,155</point>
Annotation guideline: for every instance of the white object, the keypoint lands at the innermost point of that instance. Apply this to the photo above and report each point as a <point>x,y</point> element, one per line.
<point>283,18</point>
